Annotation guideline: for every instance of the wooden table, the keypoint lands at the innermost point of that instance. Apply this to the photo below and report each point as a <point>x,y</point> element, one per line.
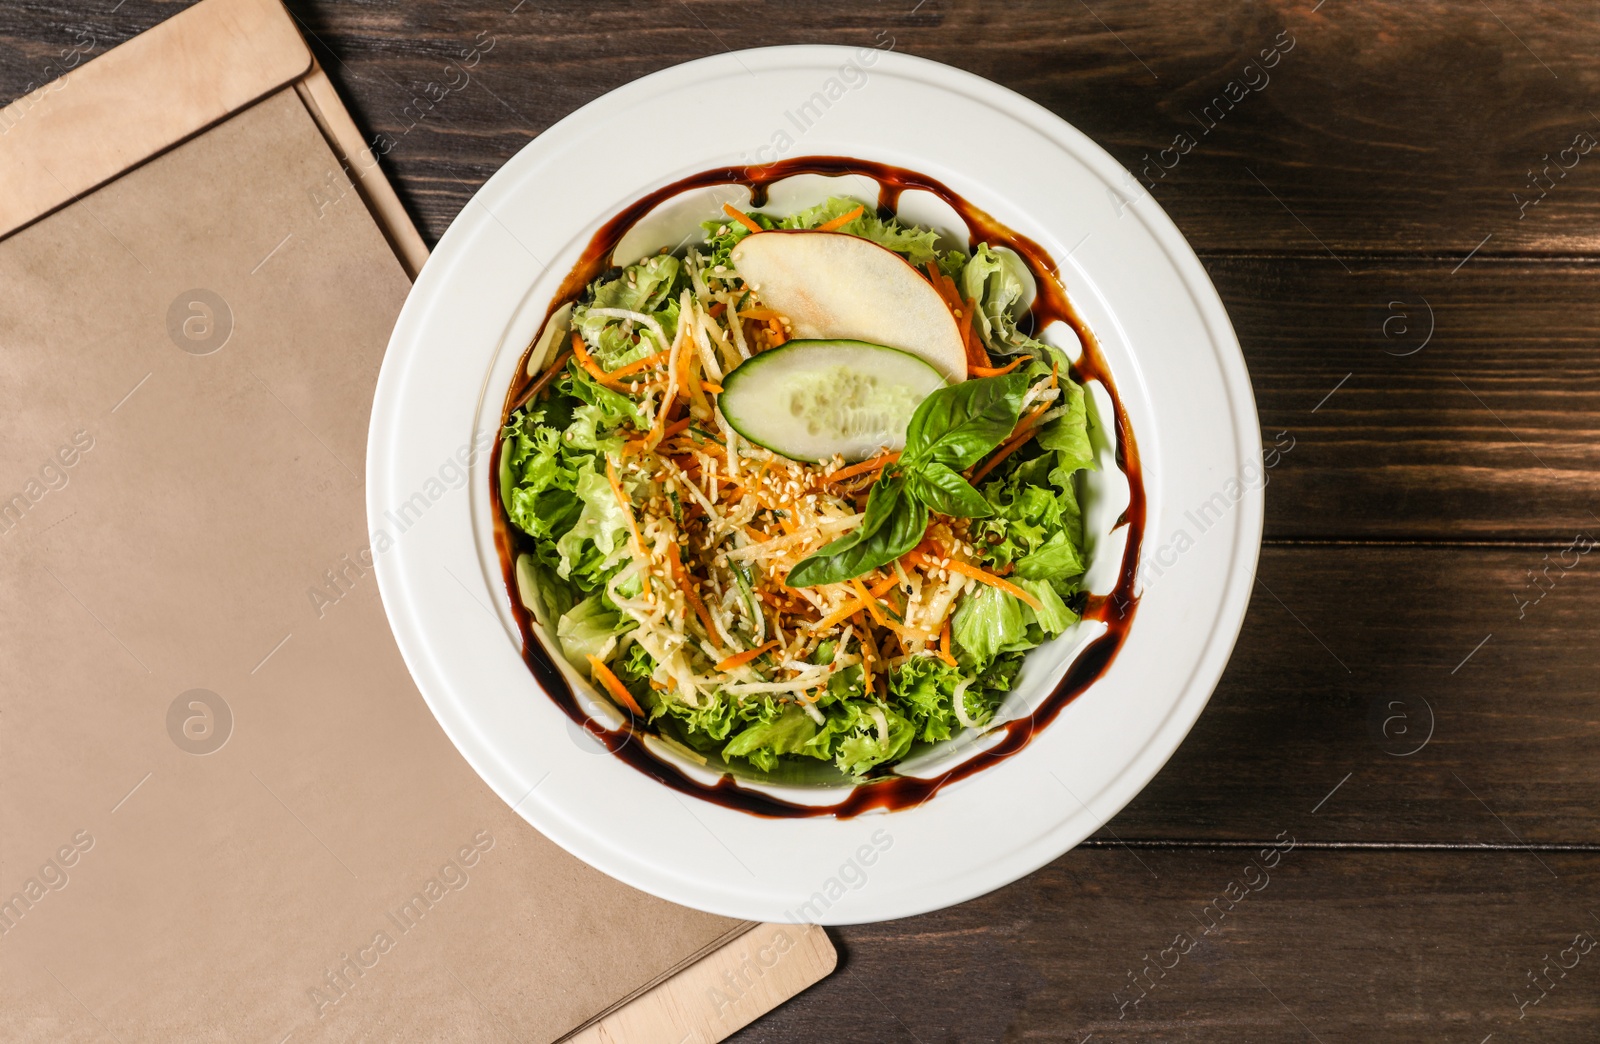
<point>1406,236</point>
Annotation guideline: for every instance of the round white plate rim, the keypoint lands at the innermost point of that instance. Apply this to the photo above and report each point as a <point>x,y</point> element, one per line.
<point>1195,690</point>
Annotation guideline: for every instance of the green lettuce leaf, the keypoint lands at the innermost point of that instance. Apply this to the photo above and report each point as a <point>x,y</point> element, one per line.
<point>1068,434</point>
<point>598,414</point>
<point>925,688</point>
<point>600,529</point>
<point>590,629</point>
<point>986,623</point>
<point>1037,523</point>
<point>851,732</point>
<point>1053,615</point>
<point>990,279</point>
<point>914,244</point>
<point>647,288</point>
<point>764,742</point>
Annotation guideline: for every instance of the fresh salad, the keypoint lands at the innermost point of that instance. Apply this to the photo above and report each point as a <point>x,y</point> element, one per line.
<point>806,491</point>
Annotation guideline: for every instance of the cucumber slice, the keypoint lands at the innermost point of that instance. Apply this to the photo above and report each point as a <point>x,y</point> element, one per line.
<point>809,400</point>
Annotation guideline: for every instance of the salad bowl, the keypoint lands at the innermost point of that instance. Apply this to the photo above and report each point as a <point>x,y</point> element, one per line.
<point>1171,505</point>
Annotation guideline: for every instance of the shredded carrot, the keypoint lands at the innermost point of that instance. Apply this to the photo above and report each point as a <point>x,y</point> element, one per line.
<point>685,366</point>
<point>699,404</point>
<point>677,428</point>
<point>842,220</point>
<point>987,371</point>
<point>937,279</point>
<point>715,389</point>
<point>755,534</point>
<point>854,606</point>
<point>740,659</point>
<point>983,576</point>
<point>944,644</point>
<point>762,314</point>
<point>581,353</point>
<point>1031,418</point>
<point>741,217</point>
<point>871,603</point>
<point>640,364</point>
<point>627,508</point>
<point>964,313</point>
<point>883,460</point>
<point>689,595</point>
<point>549,375</point>
<point>716,310</point>
<point>614,686</point>
<point>1000,455</point>
<point>964,328</point>
<point>902,633</point>
<point>884,586</point>
<point>869,653</point>
<point>776,328</point>
<point>788,526</point>
<point>1026,428</point>
<point>951,289</point>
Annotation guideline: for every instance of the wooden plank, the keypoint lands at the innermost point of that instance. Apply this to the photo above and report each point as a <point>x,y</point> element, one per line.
<point>1375,947</point>
<point>1394,125</point>
<point>1421,403</point>
<point>1375,666</point>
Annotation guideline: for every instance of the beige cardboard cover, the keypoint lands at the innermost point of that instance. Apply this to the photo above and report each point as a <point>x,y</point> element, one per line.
<point>225,812</point>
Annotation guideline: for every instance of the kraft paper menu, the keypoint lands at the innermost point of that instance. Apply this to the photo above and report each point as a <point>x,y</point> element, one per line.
<point>225,811</point>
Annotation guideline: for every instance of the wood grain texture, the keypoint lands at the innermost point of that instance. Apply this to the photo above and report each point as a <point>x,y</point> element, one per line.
<point>1389,126</point>
<point>1336,947</point>
<point>1409,401</point>
<point>1354,665</point>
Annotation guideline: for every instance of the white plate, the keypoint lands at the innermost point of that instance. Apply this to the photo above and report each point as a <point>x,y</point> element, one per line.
<point>1174,359</point>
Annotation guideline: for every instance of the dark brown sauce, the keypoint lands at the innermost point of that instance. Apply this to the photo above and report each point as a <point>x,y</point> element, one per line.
<point>1115,610</point>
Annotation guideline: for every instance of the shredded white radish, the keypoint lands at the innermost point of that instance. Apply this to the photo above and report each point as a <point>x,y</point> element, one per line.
<point>647,321</point>
<point>959,701</point>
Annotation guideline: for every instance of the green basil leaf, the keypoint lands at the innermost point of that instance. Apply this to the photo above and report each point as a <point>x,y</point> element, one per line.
<point>947,492</point>
<point>894,524</point>
<point>955,426</point>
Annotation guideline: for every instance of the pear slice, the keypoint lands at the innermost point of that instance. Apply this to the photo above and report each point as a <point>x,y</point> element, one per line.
<point>835,286</point>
